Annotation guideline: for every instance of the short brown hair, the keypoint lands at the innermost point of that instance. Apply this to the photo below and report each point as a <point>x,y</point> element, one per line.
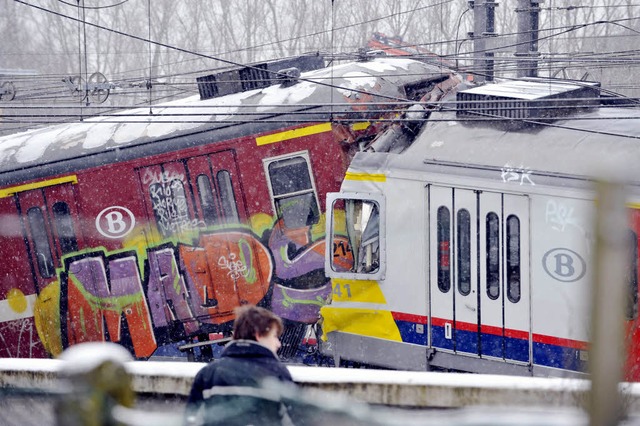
<point>253,320</point>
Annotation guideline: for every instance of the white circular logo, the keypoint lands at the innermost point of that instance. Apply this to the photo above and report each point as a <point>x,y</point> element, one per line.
<point>564,264</point>
<point>115,222</point>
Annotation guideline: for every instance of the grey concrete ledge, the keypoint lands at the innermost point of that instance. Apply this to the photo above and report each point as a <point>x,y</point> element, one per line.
<point>397,388</point>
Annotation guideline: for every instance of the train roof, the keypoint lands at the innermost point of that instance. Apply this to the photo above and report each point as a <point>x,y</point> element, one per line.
<point>22,154</point>
<point>582,146</point>
<point>529,89</point>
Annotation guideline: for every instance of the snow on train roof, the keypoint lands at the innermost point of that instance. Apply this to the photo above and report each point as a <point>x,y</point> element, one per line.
<point>191,114</point>
<point>586,144</point>
<point>528,90</point>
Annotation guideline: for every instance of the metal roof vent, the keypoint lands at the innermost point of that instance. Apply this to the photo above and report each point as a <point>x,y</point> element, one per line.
<point>288,76</point>
<point>256,76</point>
<point>534,99</point>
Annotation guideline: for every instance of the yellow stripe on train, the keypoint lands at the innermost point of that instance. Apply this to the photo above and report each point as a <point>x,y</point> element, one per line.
<point>364,322</point>
<point>373,177</point>
<point>7,192</point>
<point>360,126</point>
<point>293,134</point>
<point>357,291</point>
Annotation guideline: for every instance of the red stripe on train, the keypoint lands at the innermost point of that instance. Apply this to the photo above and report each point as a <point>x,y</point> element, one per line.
<point>496,331</point>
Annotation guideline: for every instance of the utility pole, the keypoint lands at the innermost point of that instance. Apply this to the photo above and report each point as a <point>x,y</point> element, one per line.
<point>483,28</point>
<point>527,41</point>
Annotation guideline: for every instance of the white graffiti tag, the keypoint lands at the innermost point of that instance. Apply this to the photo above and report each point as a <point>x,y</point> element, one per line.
<point>150,177</point>
<point>27,339</point>
<point>516,174</point>
<point>560,216</point>
<point>236,267</point>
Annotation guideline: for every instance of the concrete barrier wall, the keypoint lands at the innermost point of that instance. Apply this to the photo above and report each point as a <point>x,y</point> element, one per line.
<point>396,388</point>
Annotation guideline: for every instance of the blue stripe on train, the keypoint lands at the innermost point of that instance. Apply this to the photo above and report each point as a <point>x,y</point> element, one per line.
<point>516,349</point>
<point>558,357</point>
<point>466,341</point>
<point>409,332</point>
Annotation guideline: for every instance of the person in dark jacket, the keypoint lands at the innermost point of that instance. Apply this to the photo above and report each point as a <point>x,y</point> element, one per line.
<point>227,388</point>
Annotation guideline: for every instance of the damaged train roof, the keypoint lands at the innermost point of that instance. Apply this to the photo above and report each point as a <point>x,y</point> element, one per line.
<point>582,144</point>
<point>344,91</point>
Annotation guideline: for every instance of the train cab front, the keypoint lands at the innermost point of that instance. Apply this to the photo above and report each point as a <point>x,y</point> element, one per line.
<point>356,264</point>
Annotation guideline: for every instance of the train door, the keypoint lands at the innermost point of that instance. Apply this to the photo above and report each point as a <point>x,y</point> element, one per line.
<point>49,216</point>
<point>454,253</point>
<point>479,274</point>
<point>198,202</point>
<point>505,323</point>
<point>215,183</point>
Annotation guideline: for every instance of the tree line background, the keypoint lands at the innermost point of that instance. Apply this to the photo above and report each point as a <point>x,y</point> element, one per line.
<point>54,39</point>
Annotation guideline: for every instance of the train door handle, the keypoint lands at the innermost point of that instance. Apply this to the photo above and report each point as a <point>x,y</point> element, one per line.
<point>471,308</point>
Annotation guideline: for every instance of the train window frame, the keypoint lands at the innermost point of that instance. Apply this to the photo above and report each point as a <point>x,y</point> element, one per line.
<point>277,199</point>
<point>443,244</point>
<point>463,251</point>
<point>513,261</point>
<point>227,196</point>
<point>41,243</point>
<point>334,198</point>
<point>207,198</point>
<point>65,231</point>
<point>492,270</point>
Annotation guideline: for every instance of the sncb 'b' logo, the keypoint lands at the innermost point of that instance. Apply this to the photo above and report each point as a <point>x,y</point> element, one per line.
<point>115,222</point>
<point>564,265</point>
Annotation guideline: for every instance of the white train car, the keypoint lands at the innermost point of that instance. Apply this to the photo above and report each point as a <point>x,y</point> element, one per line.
<point>472,249</point>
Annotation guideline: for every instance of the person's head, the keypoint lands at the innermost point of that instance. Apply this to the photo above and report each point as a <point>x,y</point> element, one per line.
<point>259,324</point>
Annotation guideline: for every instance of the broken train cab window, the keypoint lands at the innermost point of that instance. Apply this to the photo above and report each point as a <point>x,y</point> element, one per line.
<point>292,190</point>
<point>360,223</point>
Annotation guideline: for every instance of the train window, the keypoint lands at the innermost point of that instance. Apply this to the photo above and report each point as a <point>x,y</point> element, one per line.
<point>513,258</point>
<point>463,251</point>
<point>228,198</point>
<point>632,299</point>
<point>444,244</point>
<point>207,200</point>
<point>170,207</point>
<point>293,193</point>
<point>356,226</point>
<point>363,231</point>
<point>493,255</point>
<point>41,242</point>
<point>64,227</point>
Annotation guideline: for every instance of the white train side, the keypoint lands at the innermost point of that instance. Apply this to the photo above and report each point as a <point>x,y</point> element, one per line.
<point>472,250</point>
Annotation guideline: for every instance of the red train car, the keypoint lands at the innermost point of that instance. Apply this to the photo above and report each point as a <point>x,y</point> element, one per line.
<point>147,228</point>
<point>395,46</point>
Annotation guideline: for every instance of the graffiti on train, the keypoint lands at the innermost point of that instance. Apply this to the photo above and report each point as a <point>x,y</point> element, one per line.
<point>163,294</point>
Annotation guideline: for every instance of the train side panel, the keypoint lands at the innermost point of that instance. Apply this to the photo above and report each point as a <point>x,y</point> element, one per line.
<point>157,251</point>
<point>509,245</point>
<point>561,251</point>
<point>149,228</point>
<point>505,275</point>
